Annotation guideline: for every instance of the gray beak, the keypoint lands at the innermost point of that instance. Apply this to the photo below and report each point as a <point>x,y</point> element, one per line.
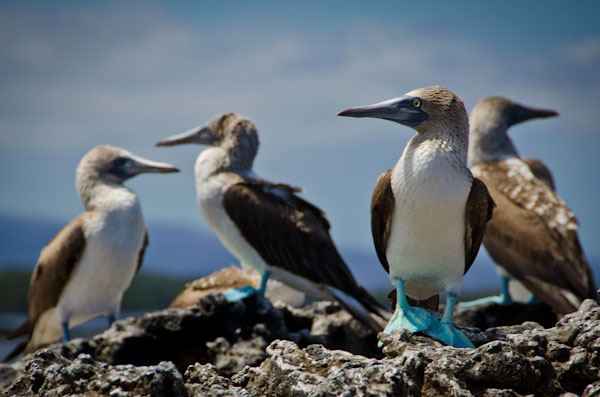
<point>523,113</point>
<point>199,135</point>
<point>138,165</point>
<point>401,110</point>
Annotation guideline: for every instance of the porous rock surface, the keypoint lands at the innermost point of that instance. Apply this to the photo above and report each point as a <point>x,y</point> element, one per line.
<point>253,348</point>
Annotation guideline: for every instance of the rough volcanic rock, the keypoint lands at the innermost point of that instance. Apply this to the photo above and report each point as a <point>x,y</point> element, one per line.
<point>254,348</point>
<point>517,360</point>
<point>181,335</point>
<point>50,374</point>
<point>490,315</point>
<point>229,335</point>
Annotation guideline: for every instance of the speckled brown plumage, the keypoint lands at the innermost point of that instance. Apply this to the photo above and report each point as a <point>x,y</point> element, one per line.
<point>533,234</point>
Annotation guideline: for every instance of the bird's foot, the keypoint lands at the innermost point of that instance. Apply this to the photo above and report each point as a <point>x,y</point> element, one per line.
<point>66,333</point>
<point>241,293</point>
<point>533,299</point>
<point>448,334</point>
<point>503,300</point>
<point>414,319</point>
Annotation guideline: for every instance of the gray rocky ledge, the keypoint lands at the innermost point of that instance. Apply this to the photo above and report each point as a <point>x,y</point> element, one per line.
<point>254,348</point>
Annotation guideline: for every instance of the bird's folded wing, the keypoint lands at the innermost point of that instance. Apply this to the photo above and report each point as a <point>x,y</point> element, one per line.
<point>533,232</point>
<point>54,268</point>
<point>479,209</point>
<point>287,232</point>
<point>382,208</point>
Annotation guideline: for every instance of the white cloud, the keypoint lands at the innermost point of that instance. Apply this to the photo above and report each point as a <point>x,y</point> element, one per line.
<point>586,52</point>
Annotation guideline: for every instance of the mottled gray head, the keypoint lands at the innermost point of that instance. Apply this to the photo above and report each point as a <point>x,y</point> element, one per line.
<point>236,135</point>
<point>489,123</point>
<point>116,165</point>
<point>424,109</point>
<point>111,165</point>
<point>226,130</point>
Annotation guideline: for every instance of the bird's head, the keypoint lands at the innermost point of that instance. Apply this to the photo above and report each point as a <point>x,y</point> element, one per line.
<point>423,109</point>
<point>502,112</point>
<point>116,165</point>
<point>222,129</point>
<point>489,123</point>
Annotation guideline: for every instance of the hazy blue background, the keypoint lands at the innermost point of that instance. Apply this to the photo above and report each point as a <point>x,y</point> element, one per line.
<point>77,74</point>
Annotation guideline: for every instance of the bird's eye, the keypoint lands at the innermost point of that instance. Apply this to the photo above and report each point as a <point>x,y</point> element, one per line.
<point>416,102</point>
<point>119,161</point>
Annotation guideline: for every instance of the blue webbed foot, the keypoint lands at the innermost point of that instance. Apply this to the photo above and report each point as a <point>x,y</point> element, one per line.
<point>448,334</point>
<point>238,294</point>
<point>241,293</point>
<point>414,319</point>
<point>445,331</point>
<point>503,299</point>
<point>499,299</point>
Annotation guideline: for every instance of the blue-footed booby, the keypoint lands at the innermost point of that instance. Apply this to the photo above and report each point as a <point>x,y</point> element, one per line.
<point>266,225</point>
<point>533,235</point>
<point>85,270</point>
<point>428,213</point>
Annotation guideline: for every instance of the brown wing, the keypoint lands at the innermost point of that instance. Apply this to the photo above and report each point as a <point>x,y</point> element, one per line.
<point>533,234</point>
<point>540,171</point>
<point>55,266</point>
<point>480,207</point>
<point>290,233</point>
<point>141,254</point>
<point>382,208</point>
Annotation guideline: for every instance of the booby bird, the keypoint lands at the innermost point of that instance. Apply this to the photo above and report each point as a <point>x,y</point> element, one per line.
<point>266,225</point>
<point>85,270</point>
<point>428,213</point>
<point>533,235</point>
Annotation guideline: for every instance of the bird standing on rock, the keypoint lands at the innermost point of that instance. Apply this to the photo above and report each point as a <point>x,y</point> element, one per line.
<point>428,214</point>
<point>85,270</point>
<point>266,225</point>
<point>533,235</point>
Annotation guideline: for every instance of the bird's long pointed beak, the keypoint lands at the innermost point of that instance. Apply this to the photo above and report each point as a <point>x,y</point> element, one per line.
<point>140,165</point>
<point>524,113</point>
<point>397,109</point>
<point>200,135</point>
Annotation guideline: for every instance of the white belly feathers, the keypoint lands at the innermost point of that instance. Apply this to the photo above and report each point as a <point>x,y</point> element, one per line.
<point>426,246</point>
<point>107,266</point>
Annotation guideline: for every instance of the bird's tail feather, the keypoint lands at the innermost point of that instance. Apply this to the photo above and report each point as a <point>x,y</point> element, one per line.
<point>366,313</point>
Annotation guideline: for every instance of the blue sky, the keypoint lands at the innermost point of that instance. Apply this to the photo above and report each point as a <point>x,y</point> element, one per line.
<point>78,74</point>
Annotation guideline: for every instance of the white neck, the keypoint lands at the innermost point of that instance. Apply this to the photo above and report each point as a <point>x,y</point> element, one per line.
<point>106,196</point>
<point>448,146</point>
<point>489,141</point>
<point>229,157</point>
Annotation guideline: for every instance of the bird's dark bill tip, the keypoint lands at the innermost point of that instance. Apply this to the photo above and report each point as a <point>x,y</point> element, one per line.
<point>163,143</point>
<point>348,113</point>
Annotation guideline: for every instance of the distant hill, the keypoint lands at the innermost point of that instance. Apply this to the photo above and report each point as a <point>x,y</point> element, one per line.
<point>176,250</point>
<point>184,253</point>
